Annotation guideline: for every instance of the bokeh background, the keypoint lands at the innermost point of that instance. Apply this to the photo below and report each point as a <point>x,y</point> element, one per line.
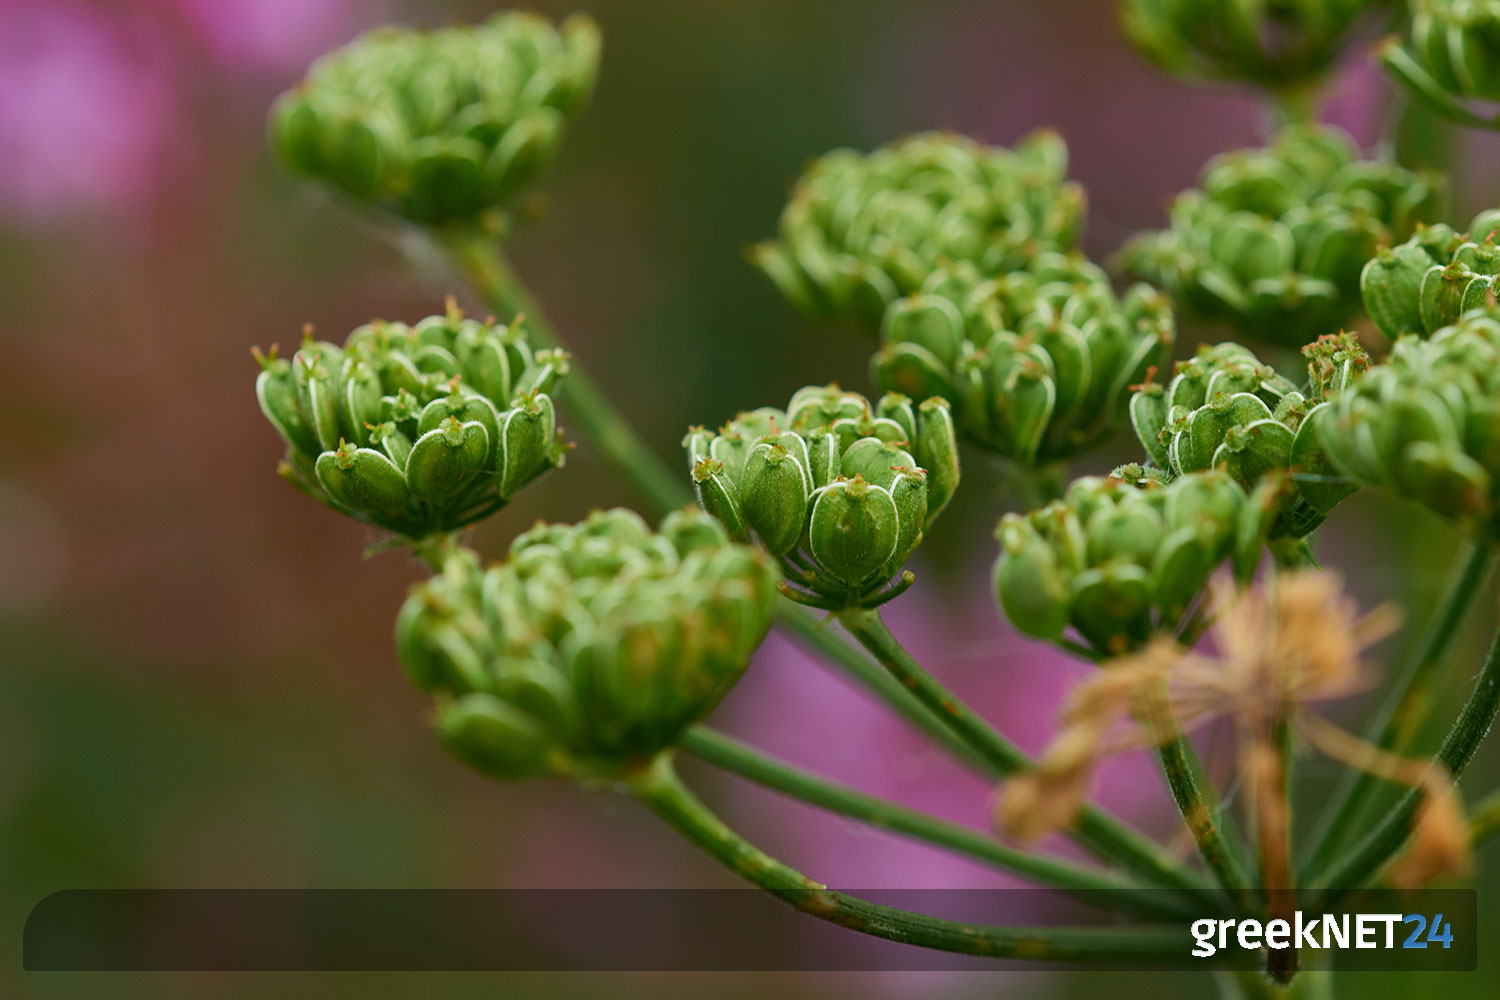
<point>197,683</point>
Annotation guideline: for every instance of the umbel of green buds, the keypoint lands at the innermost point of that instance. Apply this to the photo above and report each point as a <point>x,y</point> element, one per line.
<point>1274,239</point>
<point>1426,424</point>
<point>1277,44</point>
<point>1453,55</point>
<point>861,230</point>
<point>839,490</point>
<point>415,429</point>
<point>1120,558</point>
<point>1224,409</point>
<point>591,647</point>
<point>439,125</point>
<point>1037,363</point>
<point>1432,279</point>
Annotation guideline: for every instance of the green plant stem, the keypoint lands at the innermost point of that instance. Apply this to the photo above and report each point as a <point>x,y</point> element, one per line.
<point>1103,835</point>
<point>1400,716</point>
<point>1182,769</point>
<point>485,265</point>
<point>1351,870</point>
<point>1093,887</point>
<point>658,786</point>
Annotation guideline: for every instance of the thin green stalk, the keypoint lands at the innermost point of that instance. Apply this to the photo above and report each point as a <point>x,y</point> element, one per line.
<point>486,266</point>
<point>1401,715</point>
<point>1103,835</point>
<point>1180,766</point>
<point>1093,887</point>
<point>1385,839</point>
<point>660,789</point>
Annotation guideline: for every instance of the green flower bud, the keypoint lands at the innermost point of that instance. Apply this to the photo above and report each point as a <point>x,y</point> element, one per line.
<point>1281,46</point>
<point>592,646</point>
<point>1276,239</point>
<point>1450,58</point>
<point>1224,409</point>
<point>832,486</point>
<point>1118,559</point>
<point>1433,278</point>
<point>418,430</point>
<point>862,230</point>
<point>442,125</point>
<point>1426,424</point>
<point>1037,364</point>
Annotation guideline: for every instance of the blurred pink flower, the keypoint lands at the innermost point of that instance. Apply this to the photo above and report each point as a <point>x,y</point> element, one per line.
<point>1356,99</point>
<point>270,36</point>
<point>86,107</point>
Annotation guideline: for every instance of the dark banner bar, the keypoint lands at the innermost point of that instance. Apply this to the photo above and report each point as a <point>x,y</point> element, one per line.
<point>660,930</point>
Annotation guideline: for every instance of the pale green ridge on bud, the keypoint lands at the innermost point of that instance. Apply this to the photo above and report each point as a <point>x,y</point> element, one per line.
<point>1119,559</point>
<point>1037,364</point>
<point>1451,58</point>
<point>1284,46</point>
<point>591,647</point>
<point>863,229</point>
<point>1432,279</point>
<point>418,430</point>
<point>839,490</point>
<point>440,125</point>
<point>1225,409</point>
<point>1274,240</point>
<point>1426,423</point>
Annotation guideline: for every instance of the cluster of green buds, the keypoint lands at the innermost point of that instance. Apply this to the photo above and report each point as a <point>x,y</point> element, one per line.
<point>1275,239</point>
<point>1121,558</point>
<point>1224,409</point>
<point>1426,424</point>
<point>1281,44</point>
<point>1037,363</point>
<point>418,430</point>
<point>1452,56</point>
<point>591,647</point>
<point>861,230</point>
<point>439,125</point>
<point>1432,279</point>
<point>838,490</point>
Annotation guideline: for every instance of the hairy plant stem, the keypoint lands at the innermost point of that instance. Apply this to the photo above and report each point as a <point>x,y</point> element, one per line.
<point>1351,870</point>
<point>1183,772</point>
<point>1090,886</point>
<point>1404,710</point>
<point>658,786</point>
<point>478,255</point>
<point>1102,834</point>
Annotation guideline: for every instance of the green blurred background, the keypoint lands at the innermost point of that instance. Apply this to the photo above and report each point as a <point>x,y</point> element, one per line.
<point>197,685</point>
